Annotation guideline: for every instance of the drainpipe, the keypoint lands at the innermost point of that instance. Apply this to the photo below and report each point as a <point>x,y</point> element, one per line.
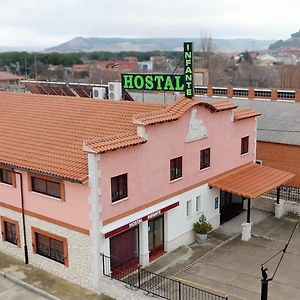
<point>23,217</point>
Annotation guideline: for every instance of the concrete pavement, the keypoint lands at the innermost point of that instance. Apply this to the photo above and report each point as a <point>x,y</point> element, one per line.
<point>234,268</point>
<point>12,291</point>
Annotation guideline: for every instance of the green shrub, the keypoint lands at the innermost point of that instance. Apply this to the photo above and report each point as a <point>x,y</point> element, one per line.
<point>202,226</point>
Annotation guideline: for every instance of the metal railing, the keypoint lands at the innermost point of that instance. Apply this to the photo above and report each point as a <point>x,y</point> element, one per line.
<point>153,283</point>
<point>286,193</point>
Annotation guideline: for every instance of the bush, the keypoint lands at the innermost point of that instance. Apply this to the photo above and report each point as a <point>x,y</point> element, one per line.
<point>202,226</point>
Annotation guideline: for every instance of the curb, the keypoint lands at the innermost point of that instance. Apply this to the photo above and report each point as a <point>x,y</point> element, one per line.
<point>28,286</point>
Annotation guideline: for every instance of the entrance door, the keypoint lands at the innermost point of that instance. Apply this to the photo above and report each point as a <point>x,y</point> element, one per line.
<point>230,206</point>
<point>124,250</point>
<point>156,235</point>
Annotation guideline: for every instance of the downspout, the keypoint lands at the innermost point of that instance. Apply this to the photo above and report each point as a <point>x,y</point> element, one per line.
<point>23,216</point>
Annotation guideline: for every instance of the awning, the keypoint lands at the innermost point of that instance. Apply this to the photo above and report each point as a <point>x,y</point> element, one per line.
<point>250,181</point>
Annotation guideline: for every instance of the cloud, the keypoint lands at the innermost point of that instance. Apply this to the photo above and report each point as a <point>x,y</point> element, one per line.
<point>47,23</point>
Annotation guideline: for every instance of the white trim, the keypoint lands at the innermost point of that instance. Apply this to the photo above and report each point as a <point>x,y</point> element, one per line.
<point>263,90</point>
<point>262,99</point>
<point>288,100</point>
<point>220,96</point>
<point>286,91</point>
<point>240,98</point>
<point>96,225</point>
<point>242,89</point>
<point>219,88</point>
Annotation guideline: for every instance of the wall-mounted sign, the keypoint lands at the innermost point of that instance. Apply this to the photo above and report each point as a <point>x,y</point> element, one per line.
<point>165,82</point>
<point>153,82</point>
<point>188,69</point>
<point>136,222</point>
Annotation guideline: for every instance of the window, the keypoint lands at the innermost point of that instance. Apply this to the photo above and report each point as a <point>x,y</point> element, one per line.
<point>200,90</point>
<point>175,168</point>
<point>220,91</point>
<point>286,95</point>
<point>188,207</point>
<point>262,94</point>
<point>49,245</point>
<point>240,93</point>
<point>10,231</point>
<point>118,187</point>
<point>6,176</point>
<point>204,158</point>
<point>244,145</point>
<point>198,204</point>
<point>47,187</point>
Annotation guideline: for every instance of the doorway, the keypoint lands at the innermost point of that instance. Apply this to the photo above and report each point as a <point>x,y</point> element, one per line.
<point>231,205</point>
<point>124,251</point>
<point>156,236</point>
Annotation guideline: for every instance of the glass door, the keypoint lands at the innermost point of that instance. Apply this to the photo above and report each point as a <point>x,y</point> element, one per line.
<point>156,235</point>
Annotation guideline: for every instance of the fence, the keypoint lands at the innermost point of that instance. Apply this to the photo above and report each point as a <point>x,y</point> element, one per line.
<point>153,283</point>
<point>286,193</point>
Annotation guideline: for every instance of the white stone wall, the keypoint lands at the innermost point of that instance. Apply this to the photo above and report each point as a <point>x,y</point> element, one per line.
<point>79,250</point>
<point>9,248</point>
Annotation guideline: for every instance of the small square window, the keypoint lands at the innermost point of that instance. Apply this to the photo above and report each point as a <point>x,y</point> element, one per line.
<point>6,176</point>
<point>204,158</point>
<point>118,187</point>
<point>188,208</point>
<point>175,168</point>
<point>198,204</point>
<point>244,145</point>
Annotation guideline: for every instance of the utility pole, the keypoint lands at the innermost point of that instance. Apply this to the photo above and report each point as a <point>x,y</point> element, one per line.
<point>265,280</point>
<point>35,66</point>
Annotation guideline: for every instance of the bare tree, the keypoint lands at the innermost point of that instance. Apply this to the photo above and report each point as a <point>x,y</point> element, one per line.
<point>290,77</point>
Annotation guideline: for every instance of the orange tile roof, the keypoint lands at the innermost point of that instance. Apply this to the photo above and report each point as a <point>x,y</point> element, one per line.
<point>9,76</point>
<point>251,180</point>
<point>176,110</point>
<point>45,134</point>
<point>113,142</point>
<point>245,114</point>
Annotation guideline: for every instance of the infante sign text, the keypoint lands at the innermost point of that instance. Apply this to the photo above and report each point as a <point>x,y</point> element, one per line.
<point>165,82</point>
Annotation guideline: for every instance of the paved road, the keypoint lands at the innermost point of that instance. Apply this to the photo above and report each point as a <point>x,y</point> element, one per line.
<point>12,291</point>
<point>234,269</point>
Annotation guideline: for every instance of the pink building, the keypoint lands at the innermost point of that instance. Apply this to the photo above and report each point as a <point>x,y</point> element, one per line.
<point>80,177</point>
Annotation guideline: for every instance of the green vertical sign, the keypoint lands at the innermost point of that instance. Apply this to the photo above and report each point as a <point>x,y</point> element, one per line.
<point>188,69</point>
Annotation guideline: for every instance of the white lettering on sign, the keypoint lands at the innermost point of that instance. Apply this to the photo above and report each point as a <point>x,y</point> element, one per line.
<point>154,214</point>
<point>135,223</point>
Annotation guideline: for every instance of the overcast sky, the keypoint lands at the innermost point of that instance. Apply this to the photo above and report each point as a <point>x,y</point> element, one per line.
<point>45,23</point>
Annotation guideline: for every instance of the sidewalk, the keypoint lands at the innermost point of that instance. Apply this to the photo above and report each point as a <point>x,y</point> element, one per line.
<point>45,281</point>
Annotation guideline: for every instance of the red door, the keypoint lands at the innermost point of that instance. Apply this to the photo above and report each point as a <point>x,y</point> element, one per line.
<point>124,251</point>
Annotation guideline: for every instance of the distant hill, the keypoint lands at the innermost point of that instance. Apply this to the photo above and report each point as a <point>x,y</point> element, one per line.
<point>292,43</point>
<point>149,44</point>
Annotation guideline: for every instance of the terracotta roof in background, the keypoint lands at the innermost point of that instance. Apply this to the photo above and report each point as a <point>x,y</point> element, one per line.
<point>175,110</point>
<point>250,181</point>
<point>245,114</point>
<point>8,76</point>
<point>45,134</point>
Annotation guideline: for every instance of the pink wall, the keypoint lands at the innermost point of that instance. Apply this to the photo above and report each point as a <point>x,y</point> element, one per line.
<point>74,210</point>
<point>148,165</point>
